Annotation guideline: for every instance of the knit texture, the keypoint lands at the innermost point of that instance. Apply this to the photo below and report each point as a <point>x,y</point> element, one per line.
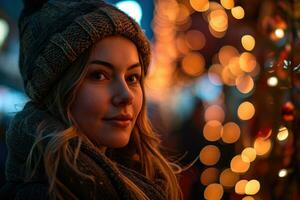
<point>109,184</point>
<point>55,35</point>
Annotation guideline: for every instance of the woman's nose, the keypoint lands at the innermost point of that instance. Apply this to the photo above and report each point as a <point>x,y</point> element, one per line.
<point>122,95</point>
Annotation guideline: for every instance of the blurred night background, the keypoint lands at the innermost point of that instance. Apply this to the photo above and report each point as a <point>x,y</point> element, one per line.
<point>223,91</point>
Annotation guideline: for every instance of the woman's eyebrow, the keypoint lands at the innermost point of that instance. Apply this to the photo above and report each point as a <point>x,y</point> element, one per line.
<point>111,66</point>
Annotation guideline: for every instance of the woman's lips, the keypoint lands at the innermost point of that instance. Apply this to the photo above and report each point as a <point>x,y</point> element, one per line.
<point>121,121</point>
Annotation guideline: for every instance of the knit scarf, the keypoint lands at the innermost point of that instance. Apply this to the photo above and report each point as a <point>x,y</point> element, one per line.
<point>22,133</point>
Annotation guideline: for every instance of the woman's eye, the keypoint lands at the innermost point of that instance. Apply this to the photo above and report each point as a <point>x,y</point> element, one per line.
<point>133,78</point>
<point>98,76</point>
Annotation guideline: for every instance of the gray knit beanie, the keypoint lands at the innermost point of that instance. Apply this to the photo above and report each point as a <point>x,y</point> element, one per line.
<point>54,33</point>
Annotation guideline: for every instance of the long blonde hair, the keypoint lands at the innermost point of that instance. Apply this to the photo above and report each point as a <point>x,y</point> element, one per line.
<point>144,142</point>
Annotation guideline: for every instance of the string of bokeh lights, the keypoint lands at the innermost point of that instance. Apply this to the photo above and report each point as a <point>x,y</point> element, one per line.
<point>230,67</point>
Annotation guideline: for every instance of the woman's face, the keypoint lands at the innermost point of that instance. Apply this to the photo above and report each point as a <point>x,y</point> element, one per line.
<point>110,96</point>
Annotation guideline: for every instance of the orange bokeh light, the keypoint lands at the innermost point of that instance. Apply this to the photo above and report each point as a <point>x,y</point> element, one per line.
<point>195,39</point>
<point>214,112</point>
<point>226,53</point>
<point>262,146</point>
<point>228,4</point>
<point>209,175</point>
<point>231,132</point>
<point>193,64</point>
<point>238,12</point>
<point>246,110</point>
<point>247,62</point>
<point>212,130</point>
<point>228,178</point>
<point>200,5</point>
<point>214,191</point>
<point>244,84</point>
<point>210,155</point>
<point>248,42</point>
<point>240,186</point>
<point>238,165</point>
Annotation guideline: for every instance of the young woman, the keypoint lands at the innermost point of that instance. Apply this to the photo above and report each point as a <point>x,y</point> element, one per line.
<point>85,133</point>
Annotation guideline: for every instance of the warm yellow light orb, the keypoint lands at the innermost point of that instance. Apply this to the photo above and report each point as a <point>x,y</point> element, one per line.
<point>244,84</point>
<point>218,20</point>
<point>279,32</point>
<point>226,53</point>
<point>272,81</point>
<point>249,154</point>
<point>209,175</point>
<point>212,130</point>
<point>240,186</point>
<point>248,42</point>
<point>193,64</point>
<point>215,33</point>
<point>231,133</point>
<point>238,12</point>
<point>252,187</point>
<point>246,110</point>
<point>200,5</point>
<point>195,39</point>
<point>214,112</point>
<point>234,67</point>
<point>282,173</point>
<point>247,62</point>
<point>227,4</point>
<point>262,146</point>
<point>213,191</point>
<point>238,165</point>
<point>248,198</point>
<point>228,178</point>
<point>282,134</point>
<point>227,77</point>
<point>210,155</point>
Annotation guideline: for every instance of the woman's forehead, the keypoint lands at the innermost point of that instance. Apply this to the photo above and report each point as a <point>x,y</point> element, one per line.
<point>114,52</point>
<point>114,46</point>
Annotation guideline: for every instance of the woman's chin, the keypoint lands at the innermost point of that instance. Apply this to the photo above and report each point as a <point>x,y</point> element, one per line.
<point>119,142</point>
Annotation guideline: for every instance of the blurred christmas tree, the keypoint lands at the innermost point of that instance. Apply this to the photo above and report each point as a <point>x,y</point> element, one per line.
<point>278,101</point>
